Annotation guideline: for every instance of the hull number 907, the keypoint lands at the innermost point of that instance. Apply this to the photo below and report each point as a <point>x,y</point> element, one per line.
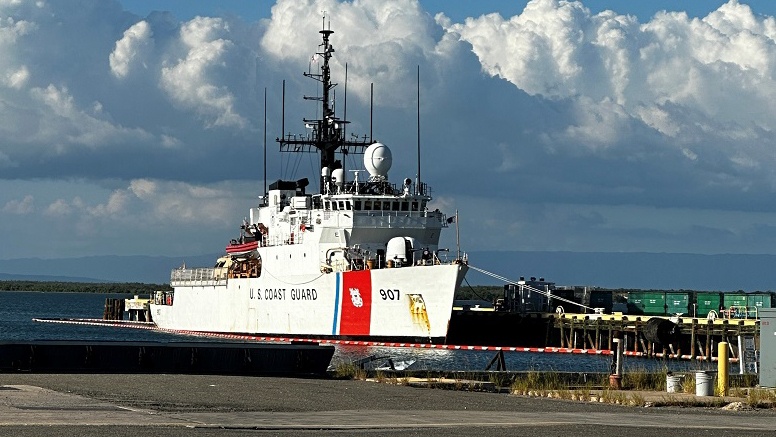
<point>390,294</point>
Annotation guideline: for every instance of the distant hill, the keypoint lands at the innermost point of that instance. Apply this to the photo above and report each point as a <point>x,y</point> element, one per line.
<point>46,278</point>
<point>147,269</point>
<point>637,270</point>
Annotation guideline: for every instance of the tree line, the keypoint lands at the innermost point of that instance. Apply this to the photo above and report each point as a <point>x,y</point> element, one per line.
<point>83,287</point>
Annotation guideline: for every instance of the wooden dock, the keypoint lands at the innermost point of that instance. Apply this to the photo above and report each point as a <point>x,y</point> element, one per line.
<point>696,338</point>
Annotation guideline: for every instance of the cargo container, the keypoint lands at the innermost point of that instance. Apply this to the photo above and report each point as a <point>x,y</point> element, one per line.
<point>601,299</point>
<point>706,302</point>
<point>650,303</point>
<point>678,302</point>
<point>736,303</point>
<point>757,301</point>
<point>527,299</point>
<point>567,294</point>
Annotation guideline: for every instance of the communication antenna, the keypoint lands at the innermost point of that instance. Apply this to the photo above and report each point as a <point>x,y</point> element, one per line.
<point>327,136</point>
<point>418,189</point>
<point>265,143</point>
<point>345,112</point>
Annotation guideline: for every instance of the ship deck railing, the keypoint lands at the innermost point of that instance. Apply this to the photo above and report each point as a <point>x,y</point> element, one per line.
<point>193,277</point>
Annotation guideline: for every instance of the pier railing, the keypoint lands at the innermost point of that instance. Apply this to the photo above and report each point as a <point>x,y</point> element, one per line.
<point>190,277</point>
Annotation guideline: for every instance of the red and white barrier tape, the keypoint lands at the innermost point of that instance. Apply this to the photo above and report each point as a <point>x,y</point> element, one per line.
<point>245,337</point>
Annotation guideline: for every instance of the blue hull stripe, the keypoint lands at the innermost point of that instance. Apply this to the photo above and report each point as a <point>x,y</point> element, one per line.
<point>336,305</point>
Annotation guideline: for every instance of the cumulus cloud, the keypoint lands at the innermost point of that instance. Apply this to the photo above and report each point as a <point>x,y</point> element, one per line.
<point>70,126</point>
<point>588,118</point>
<point>17,79</point>
<point>188,82</point>
<point>560,50</point>
<point>20,207</point>
<point>142,88</point>
<point>140,216</point>
<point>60,208</point>
<point>112,207</point>
<point>170,142</point>
<point>705,86</point>
<point>152,201</point>
<point>380,41</point>
<point>130,49</point>
<point>11,29</point>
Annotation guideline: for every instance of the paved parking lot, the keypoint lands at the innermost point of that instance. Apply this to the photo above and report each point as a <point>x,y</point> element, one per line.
<point>171,405</point>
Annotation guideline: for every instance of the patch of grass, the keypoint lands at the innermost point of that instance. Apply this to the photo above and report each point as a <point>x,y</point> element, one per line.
<point>348,370</point>
<point>667,401</point>
<point>500,379</point>
<point>614,397</point>
<point>637,400</point>
<point>688,384</point>
<point>532,378</point>
<point>761,398</point>
<point>582,394</point>
<point>535,381</point>
<point>641,379</point>
<point>750,380</point>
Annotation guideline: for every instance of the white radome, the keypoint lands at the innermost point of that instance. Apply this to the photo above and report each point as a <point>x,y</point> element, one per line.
<point>378,160</point>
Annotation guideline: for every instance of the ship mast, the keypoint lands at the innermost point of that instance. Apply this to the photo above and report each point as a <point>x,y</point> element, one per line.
<point>327,136</point>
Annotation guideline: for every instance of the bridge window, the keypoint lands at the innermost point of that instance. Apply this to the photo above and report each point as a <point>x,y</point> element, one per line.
<point>358,205</point>
<point>395,206</point>
<point>377,205</point>
<point>414,206</point>
<point>341,204</point>
<point>367,205</point>
<point>333,206</point>
<point>347,205</point>
<point>405,206</point>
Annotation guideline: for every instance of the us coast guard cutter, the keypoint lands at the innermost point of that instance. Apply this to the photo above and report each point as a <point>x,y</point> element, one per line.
<point>359,260</point>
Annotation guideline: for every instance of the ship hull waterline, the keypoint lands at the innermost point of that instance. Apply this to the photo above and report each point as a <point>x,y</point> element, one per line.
<point>399,304</point>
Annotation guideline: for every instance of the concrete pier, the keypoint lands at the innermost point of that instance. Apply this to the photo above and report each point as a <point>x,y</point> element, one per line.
<point>173,405</point>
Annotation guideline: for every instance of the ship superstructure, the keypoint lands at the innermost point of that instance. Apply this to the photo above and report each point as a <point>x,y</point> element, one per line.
<point>358,259</point>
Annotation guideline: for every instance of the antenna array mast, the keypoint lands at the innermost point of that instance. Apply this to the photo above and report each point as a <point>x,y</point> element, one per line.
<point>328,132</point>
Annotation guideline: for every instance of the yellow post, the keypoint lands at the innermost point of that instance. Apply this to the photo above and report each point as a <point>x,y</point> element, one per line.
<point>722,368</point>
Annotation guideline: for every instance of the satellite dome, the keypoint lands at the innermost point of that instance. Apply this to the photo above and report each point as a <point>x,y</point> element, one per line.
<point>378,160</point>
<point>338,175</point>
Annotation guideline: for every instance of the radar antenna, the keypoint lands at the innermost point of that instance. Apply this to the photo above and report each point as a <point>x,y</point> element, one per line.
<point>327,134</point>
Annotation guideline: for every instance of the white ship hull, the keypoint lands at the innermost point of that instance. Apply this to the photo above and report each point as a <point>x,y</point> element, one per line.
<point>400,303</point>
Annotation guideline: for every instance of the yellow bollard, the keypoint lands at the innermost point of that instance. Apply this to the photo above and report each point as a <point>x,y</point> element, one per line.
<point>722,369</point>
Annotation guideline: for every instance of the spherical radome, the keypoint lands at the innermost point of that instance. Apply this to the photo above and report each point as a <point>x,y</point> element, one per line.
<point>378,159</point>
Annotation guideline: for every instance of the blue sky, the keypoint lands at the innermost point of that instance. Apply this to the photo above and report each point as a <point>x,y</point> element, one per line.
<point>554,126</point>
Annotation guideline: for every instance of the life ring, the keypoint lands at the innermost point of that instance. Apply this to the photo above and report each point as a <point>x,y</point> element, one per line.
<point>302,227</point>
